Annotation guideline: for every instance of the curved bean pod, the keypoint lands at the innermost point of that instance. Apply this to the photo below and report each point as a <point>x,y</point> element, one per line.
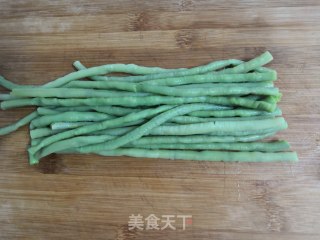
<point>23,121</point>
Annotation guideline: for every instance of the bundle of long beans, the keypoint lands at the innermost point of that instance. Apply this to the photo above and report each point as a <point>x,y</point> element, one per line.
<point>222,111</point>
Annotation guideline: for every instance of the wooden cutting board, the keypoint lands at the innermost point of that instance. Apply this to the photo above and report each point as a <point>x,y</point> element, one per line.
<point>91,197</point>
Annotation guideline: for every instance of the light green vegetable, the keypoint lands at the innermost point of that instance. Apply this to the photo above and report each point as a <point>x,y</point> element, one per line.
<point>188,72</point>
<point>231,85</point>
<point>23,121</point>
<point>202,155</point>
<point>217,91</point>
<point>237,146</point>
<point>7,84</point>
<point>105,69</point>
<point>74,143</point>
<point>70,117</point>
<point>159,90</point>
<point>253,64</point>
<point>154,140</point>
<point>240,112</point>
<point>191,119</point>
<point>71,93</point>
<point>215,78</point>
<point>139,101</point>
<point>112,110</point>
<point>67,125</point>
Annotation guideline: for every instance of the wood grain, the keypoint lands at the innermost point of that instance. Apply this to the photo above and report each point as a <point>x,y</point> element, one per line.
<point>91,197</point>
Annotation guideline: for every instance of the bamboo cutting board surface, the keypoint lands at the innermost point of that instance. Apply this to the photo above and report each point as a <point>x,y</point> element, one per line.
<point>92,197</point>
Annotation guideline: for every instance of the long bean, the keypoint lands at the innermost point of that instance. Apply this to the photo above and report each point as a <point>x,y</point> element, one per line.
<point>191,119</point>
<point>130,69</point>
<point>253,64</point>
<point>214,78</point>
<point>72,93</point>
<point>160,90</point>
<point>239,112</point>
<point>74,143</point>
<point>274,146</point>
<point>154,140</point>
<point>217,91</point>
<point>202,155</point>
<point>57,110</point>
<point>105,69</point>
<point>8,84</point>
<point>231,85</point>
<point>213,66</point>
<point>112,110</point>
<point>66,125</point>
<point>139,101</point>
<point>70,117</point>
<point>23,121</point>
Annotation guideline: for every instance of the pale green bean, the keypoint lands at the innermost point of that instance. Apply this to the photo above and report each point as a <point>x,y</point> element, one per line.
<point>199,139</point>
<point>217,91</point>
<point>7,84</point>
<point>191,119</point>
<point>213,66</point>
<point>239,112</point>
<point>253,64</point>
<point>70,117</point>
<point>139,101</point>
<point>274,146</point>
<point>202,155</point>
<point>73,143</point>
<point>231,85</point>
<point>23,121</point>
<point>104,69</point>
<point>72,93</point>
<point>215,78</point>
